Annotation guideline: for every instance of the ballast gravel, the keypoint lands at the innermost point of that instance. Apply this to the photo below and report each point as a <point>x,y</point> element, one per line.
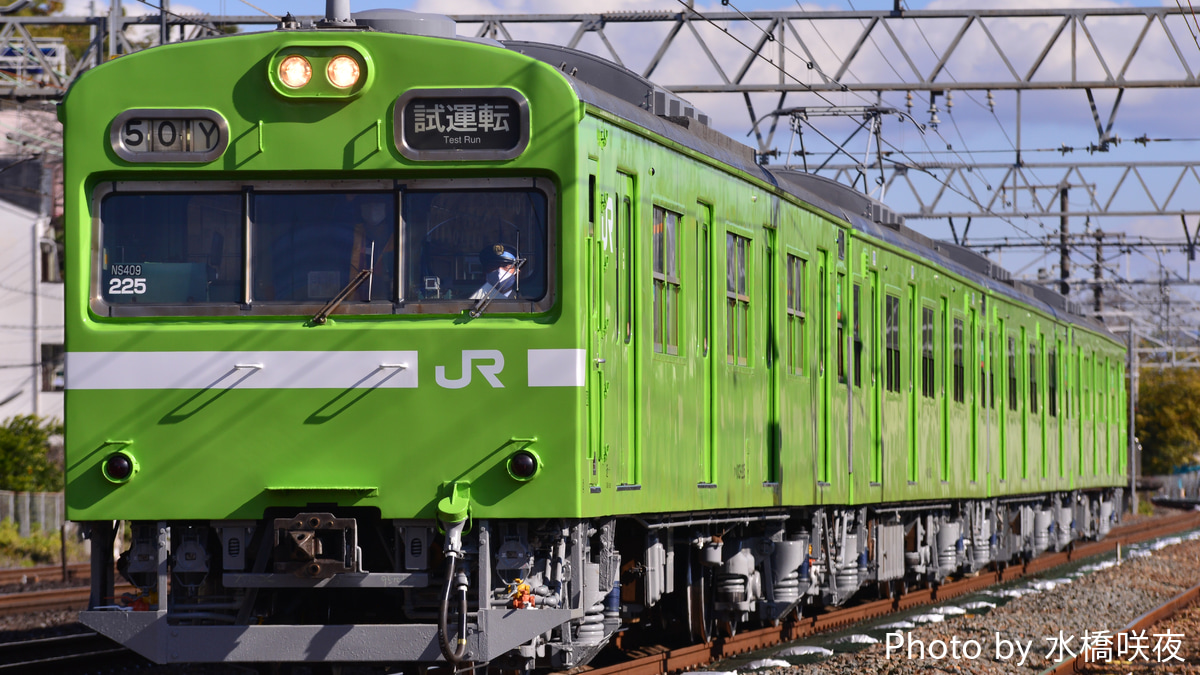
<point>1105,599</point>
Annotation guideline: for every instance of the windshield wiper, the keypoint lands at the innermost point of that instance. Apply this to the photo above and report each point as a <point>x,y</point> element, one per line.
<point>322,316</point>
<point>482,303</point>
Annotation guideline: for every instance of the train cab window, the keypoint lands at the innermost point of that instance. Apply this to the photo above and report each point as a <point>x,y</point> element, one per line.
<point>309,246</point>
<point>796,271</point>
<point>1033,379</point>
<point>172,249</point>
<point>960,373</point>
<point>737,301</point>
<point>431,247</point>
<point>665,275</point>
<point>468,244</point>
<point>928,368</point>
<point>1012,373</point>
<point>892,327</point>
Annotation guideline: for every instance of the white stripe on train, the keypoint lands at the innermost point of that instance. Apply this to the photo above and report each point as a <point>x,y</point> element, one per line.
<point>312,370</point>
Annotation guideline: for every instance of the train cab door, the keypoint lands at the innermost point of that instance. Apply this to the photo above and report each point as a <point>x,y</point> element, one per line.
<point>612,343</point>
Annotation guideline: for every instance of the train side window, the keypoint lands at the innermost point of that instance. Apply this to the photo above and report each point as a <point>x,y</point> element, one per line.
<point>857,335</point>
<point>1033,377</point>
<point>927,363</point>
<point>892,309</point>
<point>797,268</point>
<point>1052,383</point>
<point>666,280</point>
<point>737,301</point>
<point>1012,373</point>
<point>994,358</point>
<point>960,388</point>
<point>982,368</point>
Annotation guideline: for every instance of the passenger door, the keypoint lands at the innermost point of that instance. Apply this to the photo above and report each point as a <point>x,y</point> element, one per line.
<point>611,320</point>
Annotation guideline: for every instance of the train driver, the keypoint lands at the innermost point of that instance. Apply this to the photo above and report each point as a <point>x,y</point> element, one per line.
<point>500,267</point>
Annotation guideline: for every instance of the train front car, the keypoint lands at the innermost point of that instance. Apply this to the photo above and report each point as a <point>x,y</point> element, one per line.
<point>319,359</point>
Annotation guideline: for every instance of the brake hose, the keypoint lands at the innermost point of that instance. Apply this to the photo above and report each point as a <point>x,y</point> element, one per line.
<point>454,653</point>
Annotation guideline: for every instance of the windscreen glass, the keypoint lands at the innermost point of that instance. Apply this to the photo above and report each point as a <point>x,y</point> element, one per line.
<point>308,247</point>
<point>464,245</point>
<point>282,249</point>
<point>171,248</point>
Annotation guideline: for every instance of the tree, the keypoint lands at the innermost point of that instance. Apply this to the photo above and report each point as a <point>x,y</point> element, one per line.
<point>1168,419</point>
<point>25,463</point>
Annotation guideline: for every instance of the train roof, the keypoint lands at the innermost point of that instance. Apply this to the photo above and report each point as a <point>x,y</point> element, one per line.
<point>622,92</point>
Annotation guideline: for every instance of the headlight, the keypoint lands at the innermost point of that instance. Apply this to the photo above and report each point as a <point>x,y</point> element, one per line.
<point>295,71</point>
<point>342,71</point>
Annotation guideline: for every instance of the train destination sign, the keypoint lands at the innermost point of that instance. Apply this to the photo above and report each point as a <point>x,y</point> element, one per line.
<point>433,124</point>
<point>169,135</point>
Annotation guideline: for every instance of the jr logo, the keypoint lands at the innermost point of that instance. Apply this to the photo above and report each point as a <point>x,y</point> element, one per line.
<point>489,372</point>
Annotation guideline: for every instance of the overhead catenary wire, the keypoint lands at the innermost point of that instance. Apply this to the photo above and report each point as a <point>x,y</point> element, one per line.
<point>1192,11</point>
<point>953,119</point>
<point>754,52</point>
<point>810,63</point>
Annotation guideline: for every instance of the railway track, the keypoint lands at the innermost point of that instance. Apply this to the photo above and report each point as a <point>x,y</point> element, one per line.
<point>64,655</point>
<point>1143,623</point>
<point>76,572</point>
<point>74,597</point>
<point>657,660</point>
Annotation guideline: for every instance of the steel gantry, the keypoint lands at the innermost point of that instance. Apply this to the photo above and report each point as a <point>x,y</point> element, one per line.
<point>944,190</point>
<point>779,51</point>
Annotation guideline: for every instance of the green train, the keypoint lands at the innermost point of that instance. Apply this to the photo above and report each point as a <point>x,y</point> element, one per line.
<point>389,345</point>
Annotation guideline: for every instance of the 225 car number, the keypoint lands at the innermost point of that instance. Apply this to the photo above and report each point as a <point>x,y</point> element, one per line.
<point>126,286</point>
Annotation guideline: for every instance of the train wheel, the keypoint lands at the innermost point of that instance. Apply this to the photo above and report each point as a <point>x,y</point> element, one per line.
<point>699,604</point>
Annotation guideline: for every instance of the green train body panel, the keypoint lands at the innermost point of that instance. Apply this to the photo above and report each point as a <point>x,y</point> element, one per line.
<point>775,393</point>
<point>221,453</point>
